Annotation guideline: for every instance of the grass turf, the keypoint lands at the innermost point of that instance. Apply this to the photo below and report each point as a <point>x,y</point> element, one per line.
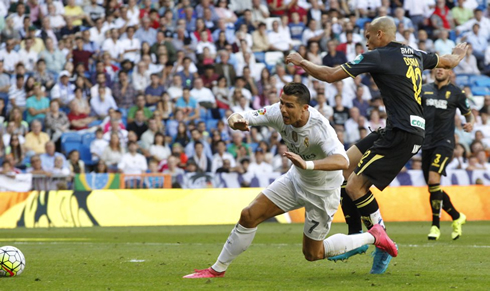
<point>111,259</point>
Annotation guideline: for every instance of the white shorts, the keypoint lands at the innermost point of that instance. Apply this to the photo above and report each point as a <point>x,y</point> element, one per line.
<point>320,207</point>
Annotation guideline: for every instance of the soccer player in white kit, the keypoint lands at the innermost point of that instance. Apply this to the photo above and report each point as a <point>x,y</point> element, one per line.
<point>312,182</point>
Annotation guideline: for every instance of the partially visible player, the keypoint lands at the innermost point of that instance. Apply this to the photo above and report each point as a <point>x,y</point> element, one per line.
<point>440,100</point>
<point>397,71</point>
<point>313,182</point>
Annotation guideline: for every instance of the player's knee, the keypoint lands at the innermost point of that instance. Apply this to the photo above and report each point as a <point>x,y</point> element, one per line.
<point>247,219</point>
<point>312,255</point>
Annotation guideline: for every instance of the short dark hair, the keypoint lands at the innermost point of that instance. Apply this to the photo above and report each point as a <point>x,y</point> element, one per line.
<point>299,90</point>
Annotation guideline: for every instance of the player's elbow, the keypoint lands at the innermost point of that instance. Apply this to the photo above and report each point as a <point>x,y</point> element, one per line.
<point>312,256</point>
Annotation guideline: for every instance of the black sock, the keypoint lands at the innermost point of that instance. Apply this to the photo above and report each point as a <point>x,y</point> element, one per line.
<point>369,210</point>
<point>351,214</point>
<point>435,203</point>
<point>448,206</point>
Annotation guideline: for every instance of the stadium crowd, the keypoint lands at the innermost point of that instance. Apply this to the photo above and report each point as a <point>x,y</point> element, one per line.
<point>148,85</point>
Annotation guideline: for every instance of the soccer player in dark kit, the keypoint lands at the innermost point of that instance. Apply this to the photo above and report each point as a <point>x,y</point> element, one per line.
<point>397,71</point>
<point>440,100</point>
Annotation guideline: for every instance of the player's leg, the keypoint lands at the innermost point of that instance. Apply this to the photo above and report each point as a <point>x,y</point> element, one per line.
<point>242,235</point>
<point>430,161</point>
<point>319,211</point>
<point>351,214</point>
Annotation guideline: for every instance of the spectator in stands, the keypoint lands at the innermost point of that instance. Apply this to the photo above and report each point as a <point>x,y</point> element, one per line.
<point>461,14</point>
<point>323,107</point>
<point>174,170</point>
<point>15,149</point>
<point>181,135</point>
<point>188,105</point>
<point>202,95</point>
<point>63,90</point>
<point>176,89</point>
<point>113,153</point>
<point>117,128</point>
<point>479,18</point>
<point>443,45</point>
<point>112,45</point>
<point>36,139</point>
<point>375,121</point>
<point>132,162</point>
<point>59,167</point>
<point>333,57</point>
<point>469,64</point>
<point>259,166</point>
<point>196,136</point>
<point>98,145</point>
<point>242,104</point>
<point>148,137</point>
<point>17,94</point>
<point>78,120</point>
<point>154,90</point>
<point>9,56</point>
<point>4,81</point>
<point>123,92</point>
<point>20,126</point>
<point>459,158</point>
<point>159,150</point>
<point>359,102</point>
<point>55,60</point>
<point>56,121</point>
<point>424,37</point>
<point>237,141</point>
<point>279,41</point>
<point>138,125</point>
<point>100,168</point>
<point>37,105</point>
<point>260,39</point>
<point>483,160</point>
<point>478,42</point>
<point>44,77</point>
<point>140,105</point>
<point>200,159</point>
<point>48,158</point>
<point>102,102</point>
<point>220,156</point>
<point>37,167</point>
<point>141,78</point>
<point>473,164</point>
<point>312,33</point>
<point>28,56</point>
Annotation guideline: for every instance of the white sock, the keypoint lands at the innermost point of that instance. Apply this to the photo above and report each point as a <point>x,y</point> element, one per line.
<point>239,240</point>
<point>340,243</point>
<point>377,219</point>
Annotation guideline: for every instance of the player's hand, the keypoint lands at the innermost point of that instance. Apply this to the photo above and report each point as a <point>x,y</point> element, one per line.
<point>468,127</point>
<point>294,58</point>
<point>460,50</point>
<point>296,160</point>
<point>240,124</point>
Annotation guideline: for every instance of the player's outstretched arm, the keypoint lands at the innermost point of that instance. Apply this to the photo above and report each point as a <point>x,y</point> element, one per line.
<point>330,163</point>
<point>322,73</point>
<point>237,122</point>
<point>452,60</point>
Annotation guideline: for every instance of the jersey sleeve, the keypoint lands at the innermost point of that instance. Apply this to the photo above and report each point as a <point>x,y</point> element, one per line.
<point>463,104</point>
<point>430,60</point>
<point>331,144</point>
<point>269,116</point>
<point>366,62</point>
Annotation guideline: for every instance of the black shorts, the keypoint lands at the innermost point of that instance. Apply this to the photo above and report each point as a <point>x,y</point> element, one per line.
<point>436,160</point>
<point>388,155</point>
<point>364,144</point>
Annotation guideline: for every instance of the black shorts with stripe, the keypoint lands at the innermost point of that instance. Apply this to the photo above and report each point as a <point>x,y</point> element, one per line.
<point>435,160</point>
<point>382,162</point>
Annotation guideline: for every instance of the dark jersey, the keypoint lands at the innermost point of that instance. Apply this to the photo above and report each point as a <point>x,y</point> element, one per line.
<point>397,70</point>
<point>439,110</point>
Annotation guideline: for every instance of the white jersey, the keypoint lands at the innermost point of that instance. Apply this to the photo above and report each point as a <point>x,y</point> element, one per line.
<point>314,141</point>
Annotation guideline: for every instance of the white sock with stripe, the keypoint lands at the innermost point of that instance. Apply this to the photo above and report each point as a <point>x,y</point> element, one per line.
<point>239,240</point>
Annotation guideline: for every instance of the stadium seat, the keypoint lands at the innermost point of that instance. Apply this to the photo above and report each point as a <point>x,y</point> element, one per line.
<point>481,81</point>
<point>462,80</point>
<point>87,138</point>
<point>86,155</point>
<point>95,123</point>
<point>254,146</point>
<point>70,146</point>
<point>204,113</point>
<point>70,137</point>
<point>259,57</point>
<point>211,123</point>
<point>480,90</point>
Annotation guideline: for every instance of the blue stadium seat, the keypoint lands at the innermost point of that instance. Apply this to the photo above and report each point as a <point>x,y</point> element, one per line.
<point>481,81</point>
<point>87,138</point>
<point>205,114</point>
<point>211,124</point>
<point>463,80</point>
<point>86,155</point>
<point>222,112</point>
<point>254,146</point>
<point>70,146</point>
<point>480,90</point>
<point>70,138</point>
<point>95,123</point>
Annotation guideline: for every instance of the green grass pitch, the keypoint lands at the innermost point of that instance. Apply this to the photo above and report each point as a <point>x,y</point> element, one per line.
<point>156,258</point>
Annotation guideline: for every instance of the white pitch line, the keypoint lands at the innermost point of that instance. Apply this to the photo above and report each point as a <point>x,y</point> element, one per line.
<point>183,244</point>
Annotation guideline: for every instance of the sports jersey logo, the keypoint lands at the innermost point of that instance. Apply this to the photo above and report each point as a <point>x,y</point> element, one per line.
<point>441,104</point>
<point>295,136</point>
<point>448,93</point>
<point>307,142</point>
<point>417,121</point>
<point>262,111</point>
<point>357,60</point>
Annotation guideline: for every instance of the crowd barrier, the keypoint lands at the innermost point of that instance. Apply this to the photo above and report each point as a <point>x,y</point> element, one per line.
<point>203,206</point>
